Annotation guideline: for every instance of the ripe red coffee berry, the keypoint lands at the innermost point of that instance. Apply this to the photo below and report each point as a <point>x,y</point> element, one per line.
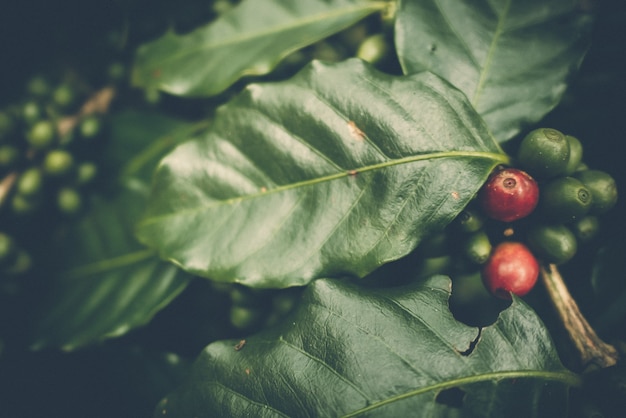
<point>512,267</point>
<point>509,194</point>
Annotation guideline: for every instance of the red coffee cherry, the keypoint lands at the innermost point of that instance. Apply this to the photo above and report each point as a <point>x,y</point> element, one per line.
<point>509,194</point>
<point>510,268</point>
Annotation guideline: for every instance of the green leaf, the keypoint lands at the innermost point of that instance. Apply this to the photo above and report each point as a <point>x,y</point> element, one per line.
<point>138,139</point>
<point>250,39</point>
<point>334,172</point>
<point>348,351</point>
<point>110,284</point>
<point>512,58</point>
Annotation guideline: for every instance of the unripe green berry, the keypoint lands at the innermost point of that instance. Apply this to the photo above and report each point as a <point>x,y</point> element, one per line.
<point>373,49</point>
<point>242,317</point>
<point>69,201</point>
<point>22,205</point>
<point>9,156</point>
<point>58,162</point>
<point>575,155</point>
<point>603,188</point>
<point>30,182</point>
<point>32,112</point>
<point>64,95</point>
<point>86,172</point>
<point>544,153</point>
<point>469,220</point>
<point>477,247</point>
<point>565,199</point>
<point>90,127</point>
<point>552,243</point>
<point>8,249</point>
<point>42,134</point>
<point>586,229</point>
<point>38,86</point>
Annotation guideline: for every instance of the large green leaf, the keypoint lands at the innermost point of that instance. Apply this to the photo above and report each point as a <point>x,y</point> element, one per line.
<point>248,40</point>
<point>108,283</point>
<point>391,353</point>
<point>512,58</point>
<point>336,171</point>
<point>138,139</point>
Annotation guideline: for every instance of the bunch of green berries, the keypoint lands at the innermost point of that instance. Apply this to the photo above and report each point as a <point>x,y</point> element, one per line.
<point>539,211</point>
<point>48,148</point>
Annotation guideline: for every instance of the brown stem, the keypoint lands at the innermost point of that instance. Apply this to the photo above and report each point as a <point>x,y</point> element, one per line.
<point>6,184</point>
<point>592,350</point>
<point>98,102</point>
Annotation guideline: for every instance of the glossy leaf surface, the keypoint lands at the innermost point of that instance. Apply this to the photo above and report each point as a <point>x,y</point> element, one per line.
<point>379,353</point>
<point>334,172</point>
<point>108,283</point>
<point>250,39</point>
<point>512,58</point>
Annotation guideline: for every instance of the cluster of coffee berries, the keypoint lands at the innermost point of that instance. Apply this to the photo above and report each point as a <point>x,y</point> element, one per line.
<point>255,308</point>
<point>48,149</point>
<point>539,212</point>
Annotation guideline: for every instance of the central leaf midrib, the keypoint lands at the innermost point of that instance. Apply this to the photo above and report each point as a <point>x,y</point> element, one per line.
<point>566,377</point>
<point>496,157</point>
<point>488,59</point>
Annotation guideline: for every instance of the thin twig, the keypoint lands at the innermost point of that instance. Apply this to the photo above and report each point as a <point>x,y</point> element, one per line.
<point>6,184</point>
<point>591,349</point>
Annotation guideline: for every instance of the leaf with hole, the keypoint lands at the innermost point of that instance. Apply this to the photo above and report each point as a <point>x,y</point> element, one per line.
<point>512,58</point>
<point>349,351</point>
<point>336,171</point>
<point>251,39</point>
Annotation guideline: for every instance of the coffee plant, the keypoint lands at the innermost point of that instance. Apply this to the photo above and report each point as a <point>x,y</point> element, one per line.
<point>324,208</point>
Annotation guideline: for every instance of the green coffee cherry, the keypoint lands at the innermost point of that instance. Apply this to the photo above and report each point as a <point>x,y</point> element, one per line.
<point>90,127</point>
<point>32,112</point>
<point>8,249</point>
<point>564,199</point>
<point>242,317</point>
<point>603,188</point>
<point>477,247</point>
<point>23,205</point>
<point>469,220</point>
<point>575,155</point>
<point>69,201</point>
<point>42,134</point>
<point>64,95</point>
<point>9,157</point>
<point>283,303</point>
<point>586,229</point>
<point>544,153</point>
<point>38,86</point>
<point>30,182</point>
<point>85,173</point>
<point>552,243</point>
<point>58,162</point>
<point>373,49</point>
